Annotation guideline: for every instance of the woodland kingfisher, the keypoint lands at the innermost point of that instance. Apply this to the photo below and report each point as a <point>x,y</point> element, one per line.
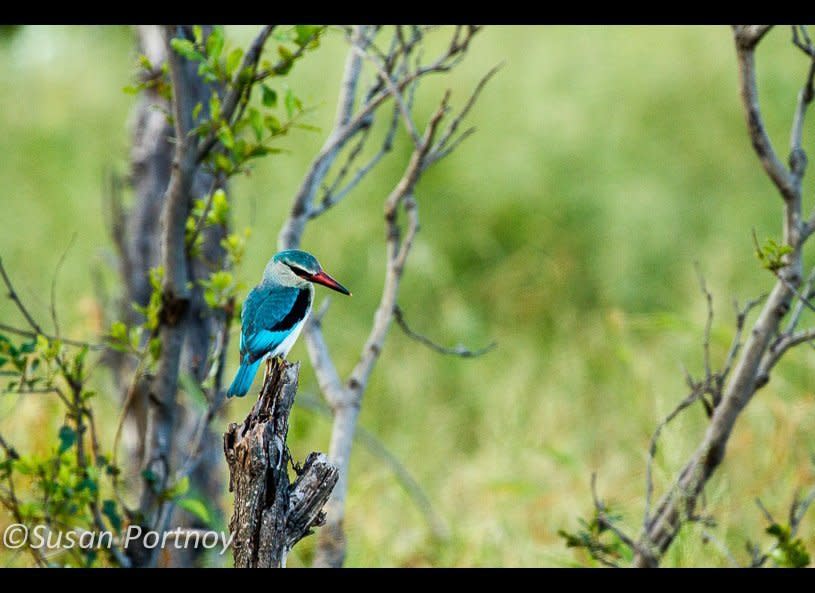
<point>275,310</point>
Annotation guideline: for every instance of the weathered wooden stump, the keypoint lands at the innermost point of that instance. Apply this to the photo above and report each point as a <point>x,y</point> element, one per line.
<point>271,514</point>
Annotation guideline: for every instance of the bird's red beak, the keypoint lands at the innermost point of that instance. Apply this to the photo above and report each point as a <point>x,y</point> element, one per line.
<point>326,280</point>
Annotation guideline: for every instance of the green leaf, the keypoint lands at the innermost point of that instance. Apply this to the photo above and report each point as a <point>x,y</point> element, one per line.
<point>239,150</point>
<point>67,438</point>
<point>261,150</point>
<point>218,288</point>
<point>110,511</point>
<point>235,246</point>
<point>134,336</point>
<point>145,63</point>
<point>215,107</point>
<point>88,484</point>
<point>273,124</point>
<point>233,60</point>
<point>222,162</point>
<point>186,48</point>
<point>198,33</point>
<point>215,42</point>
<point>178,489</point>
<point>196,111</point>
<point>293,104</point>
<point>256,119</point>
<point>196,508</point>
<point>155,348</point>
<point>288,59</point>
<point>269,95</point>
<point>43,345</point>
<point>307,127</point>
<point>219,213</point>
<point>304,33</point>
<point>226,137</point>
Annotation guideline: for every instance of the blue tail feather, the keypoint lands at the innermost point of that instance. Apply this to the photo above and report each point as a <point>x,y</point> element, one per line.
<point>243,379</point>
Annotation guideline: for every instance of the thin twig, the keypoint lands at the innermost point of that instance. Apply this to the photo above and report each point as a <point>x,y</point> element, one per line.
<point>602,516</point>
<point>395,92</point>
<point>800,304</point>
<point>708,321</point>
<point>334,196</point>
<point>443,146</point>
<point>652,450</point>
<point>61,261</point>
<point>12,294</point>
<point>37,329</point>
<point>461,351</point>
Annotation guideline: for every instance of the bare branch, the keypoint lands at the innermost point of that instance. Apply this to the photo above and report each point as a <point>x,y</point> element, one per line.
<point>708,322</point>
<point>350,158</point>
<point>748,36</point>
<point>360,38</point>
<point>798,509</point>
<point>334,194</point>
<point>444,146</point>
<point>735,344</point>
<point>806,293</point>
<point>752,363</point>
<point>602,516</point>
<point>755,123</point>
<point>461,351</point>
<point>37,329</point>
<point>327,376</point>
<point>344,130</point>
<point>349,123</point>
<point>407,117</point>
<point>12,294</point>
<point>780,347</point>
<point>397,77</point>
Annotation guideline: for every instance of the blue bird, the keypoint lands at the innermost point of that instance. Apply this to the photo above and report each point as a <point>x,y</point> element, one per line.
<point>275,310</point>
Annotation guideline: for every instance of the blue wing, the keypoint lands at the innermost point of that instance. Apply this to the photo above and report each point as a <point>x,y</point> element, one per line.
<point>265,319</point>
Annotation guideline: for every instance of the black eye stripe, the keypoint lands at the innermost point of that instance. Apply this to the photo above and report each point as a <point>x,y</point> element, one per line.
<point>298,271</point>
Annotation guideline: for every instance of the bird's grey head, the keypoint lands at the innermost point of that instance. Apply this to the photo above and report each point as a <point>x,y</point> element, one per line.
<point>294,267</point>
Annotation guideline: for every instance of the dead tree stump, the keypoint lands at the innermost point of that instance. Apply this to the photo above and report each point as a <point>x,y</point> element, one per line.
<point>270,514</point>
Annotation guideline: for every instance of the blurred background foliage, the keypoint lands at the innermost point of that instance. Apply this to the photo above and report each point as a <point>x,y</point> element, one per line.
<point>607,161</point>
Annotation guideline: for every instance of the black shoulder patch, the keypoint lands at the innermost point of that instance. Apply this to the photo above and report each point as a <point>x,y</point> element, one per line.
<point>297,313</point>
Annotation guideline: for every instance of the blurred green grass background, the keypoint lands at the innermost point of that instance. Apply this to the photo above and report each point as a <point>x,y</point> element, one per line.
<point>607,161</point>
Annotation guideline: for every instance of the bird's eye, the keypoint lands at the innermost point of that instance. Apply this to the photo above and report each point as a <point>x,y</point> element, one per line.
<point>299,271</point>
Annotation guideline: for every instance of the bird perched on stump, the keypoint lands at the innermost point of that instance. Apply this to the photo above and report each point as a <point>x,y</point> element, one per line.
<point>275,310</point>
